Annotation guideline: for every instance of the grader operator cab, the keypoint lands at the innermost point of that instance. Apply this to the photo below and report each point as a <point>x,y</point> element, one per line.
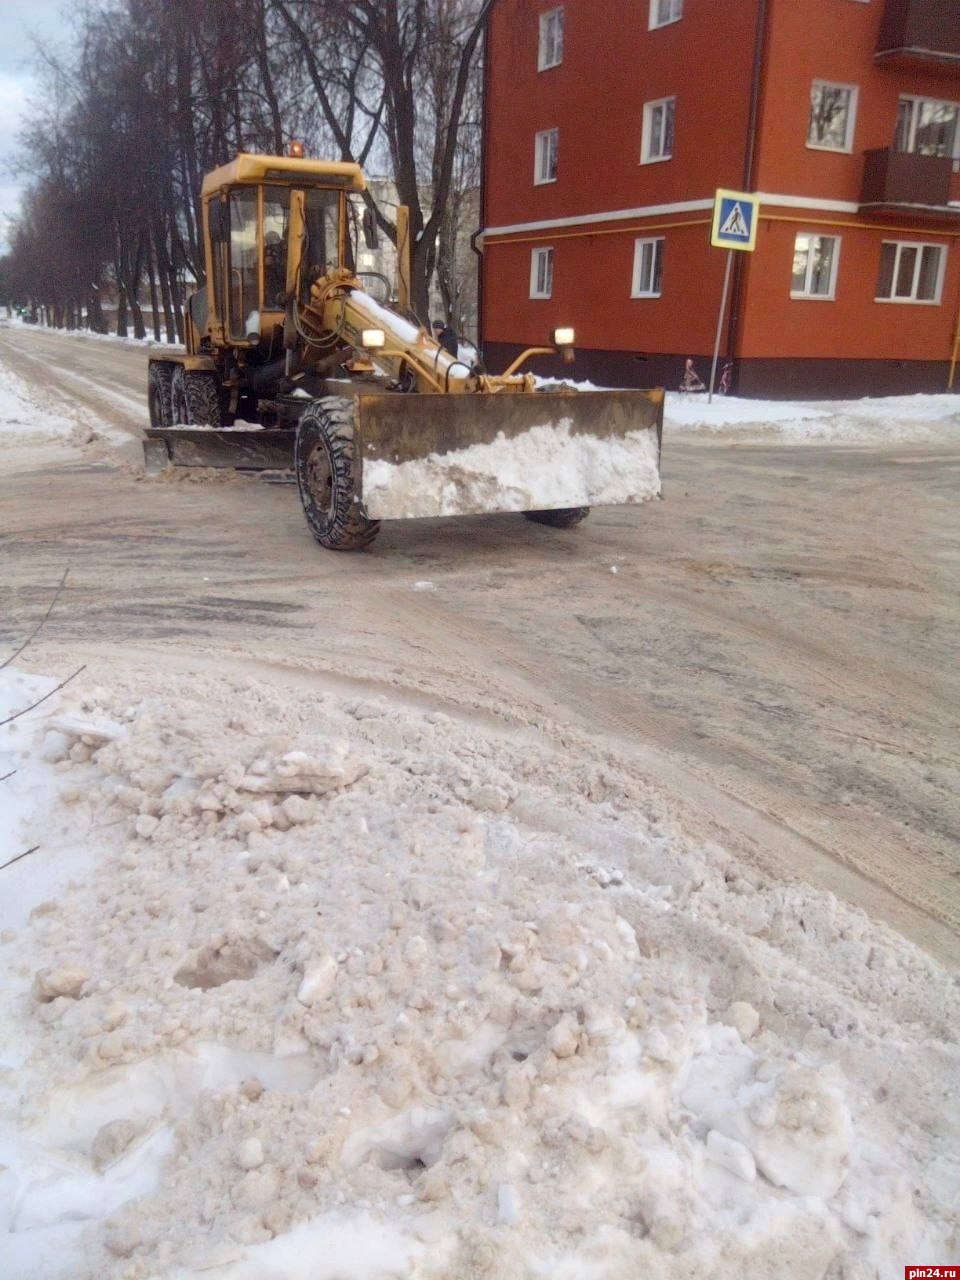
<point>292,366</point>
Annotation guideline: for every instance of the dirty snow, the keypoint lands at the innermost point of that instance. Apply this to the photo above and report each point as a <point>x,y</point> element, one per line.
<point>26,418</point>
<point>21,418</point>
<point>547,466</point>
<point>348,987</point>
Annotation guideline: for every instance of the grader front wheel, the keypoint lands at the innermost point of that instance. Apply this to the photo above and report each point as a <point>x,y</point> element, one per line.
<point>326,476</point>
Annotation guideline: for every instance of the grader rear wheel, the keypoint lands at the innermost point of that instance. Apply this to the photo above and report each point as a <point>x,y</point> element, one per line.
<point>326,476</point>
<point>196,399</point>
<point>160,393</point>
<point>561,518</point>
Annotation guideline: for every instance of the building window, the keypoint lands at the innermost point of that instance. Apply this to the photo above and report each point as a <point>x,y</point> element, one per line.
<point>541,273</point>
<point>546,156</point>
<point>910,272</point>
<point>928,128</point>
<point>833,114</point>
<point>663,12</point>
<point>647,267</point>
<point>658,124</point>
<point>815,261</point>
<point>551,40</point>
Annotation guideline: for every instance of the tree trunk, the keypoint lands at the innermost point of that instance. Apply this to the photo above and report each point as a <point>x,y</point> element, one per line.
<point>154,299</point>
<point>163,264</point>
<point>96,321</point>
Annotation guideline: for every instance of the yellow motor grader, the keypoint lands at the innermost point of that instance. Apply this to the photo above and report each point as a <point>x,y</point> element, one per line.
<point>292,365</point>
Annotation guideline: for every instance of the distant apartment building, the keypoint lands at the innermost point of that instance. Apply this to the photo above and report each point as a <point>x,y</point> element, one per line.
<point>609,124</point>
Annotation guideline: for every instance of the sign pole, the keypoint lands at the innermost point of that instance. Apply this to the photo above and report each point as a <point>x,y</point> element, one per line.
<point>736,215</point>
<point>723,308</point>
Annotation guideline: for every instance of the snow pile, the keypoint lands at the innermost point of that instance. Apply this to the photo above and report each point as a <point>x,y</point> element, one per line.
<point>881,420</point>
<point>24,420</point>
<point>545,467</point>
<point>355,989</point>
<point>21,419</point>
<point>917,419</point>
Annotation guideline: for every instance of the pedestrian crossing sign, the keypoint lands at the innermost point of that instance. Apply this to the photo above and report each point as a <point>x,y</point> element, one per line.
<point>735,217</point>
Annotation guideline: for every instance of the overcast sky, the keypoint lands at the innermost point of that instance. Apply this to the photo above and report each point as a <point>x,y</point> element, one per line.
<point>18,20</point>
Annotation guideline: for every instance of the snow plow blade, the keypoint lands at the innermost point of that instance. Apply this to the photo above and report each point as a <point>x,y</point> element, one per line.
<point>445,455</point>
<point>433,455</point>
<point>235,448</point>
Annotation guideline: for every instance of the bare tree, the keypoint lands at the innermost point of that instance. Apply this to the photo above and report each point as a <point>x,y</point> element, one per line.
<point>156,93</point>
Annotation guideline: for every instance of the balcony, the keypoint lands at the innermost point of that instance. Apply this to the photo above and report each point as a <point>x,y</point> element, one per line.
<point>925,31</point>
<point>903,182</point>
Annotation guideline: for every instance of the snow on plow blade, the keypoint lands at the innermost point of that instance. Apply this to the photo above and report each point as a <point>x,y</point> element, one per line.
<point>431,455</point>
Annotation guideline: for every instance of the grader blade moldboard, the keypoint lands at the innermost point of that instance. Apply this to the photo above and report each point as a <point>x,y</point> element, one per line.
<point>442,455</point>
<point>238,448</point>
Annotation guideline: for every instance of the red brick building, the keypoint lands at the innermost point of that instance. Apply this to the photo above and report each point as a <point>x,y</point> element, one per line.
<point>608,126</point>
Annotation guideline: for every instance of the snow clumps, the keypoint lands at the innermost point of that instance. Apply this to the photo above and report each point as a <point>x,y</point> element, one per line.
<point>354,983</point>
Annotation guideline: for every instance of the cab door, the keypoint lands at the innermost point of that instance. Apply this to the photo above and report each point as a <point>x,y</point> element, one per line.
<point>243,285</point>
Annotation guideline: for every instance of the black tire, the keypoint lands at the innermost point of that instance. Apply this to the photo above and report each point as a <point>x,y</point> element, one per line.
<point>326,476</point>
<point>160,393</point>
<point>195,399</point>
<point>562,518</point>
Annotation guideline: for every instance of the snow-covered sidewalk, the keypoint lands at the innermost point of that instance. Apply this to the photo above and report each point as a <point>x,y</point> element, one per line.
<point>914,419</point>
<point>344,987</point>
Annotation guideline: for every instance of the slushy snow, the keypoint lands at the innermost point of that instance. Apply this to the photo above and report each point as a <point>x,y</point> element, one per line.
<point>346,987</point>
<point>545,467</point>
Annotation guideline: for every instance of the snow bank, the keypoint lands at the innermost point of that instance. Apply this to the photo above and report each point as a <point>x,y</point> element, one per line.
<point>547,466</point>
<point>351,989</point>
<point>882,420</point>
<point>88,335</point>
<point>21,418</point>
<point>872,420</point>
<point>24,419</point>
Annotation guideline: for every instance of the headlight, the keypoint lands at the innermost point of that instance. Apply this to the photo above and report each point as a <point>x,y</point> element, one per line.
<point>563,337</point>
<point>373,339</point>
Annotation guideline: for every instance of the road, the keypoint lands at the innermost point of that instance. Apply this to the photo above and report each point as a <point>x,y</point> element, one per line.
<point>776,652</point>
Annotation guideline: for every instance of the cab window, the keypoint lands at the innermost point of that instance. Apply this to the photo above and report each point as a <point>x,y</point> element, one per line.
<point>322,249</point>
<point>276,222</point>
<point>244,265</point>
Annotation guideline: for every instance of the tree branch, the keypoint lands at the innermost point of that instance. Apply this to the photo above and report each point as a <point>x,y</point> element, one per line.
<point>25,854</point>
<point>37,629</point>
<point>63,683</point>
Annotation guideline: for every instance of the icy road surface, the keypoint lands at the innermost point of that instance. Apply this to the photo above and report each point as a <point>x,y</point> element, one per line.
<point>775,651</point>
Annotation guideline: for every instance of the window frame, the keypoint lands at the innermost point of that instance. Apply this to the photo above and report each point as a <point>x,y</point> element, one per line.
<point>638,246</point>
<point>851,129</point>
<point>647,130</point>
<point>539,181</point>
<point>915,99</point>
<point>655,24</point>
<point>545,17</point>
<point>545,251</point>
<point>806,295</point>
<point>913,300</point>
